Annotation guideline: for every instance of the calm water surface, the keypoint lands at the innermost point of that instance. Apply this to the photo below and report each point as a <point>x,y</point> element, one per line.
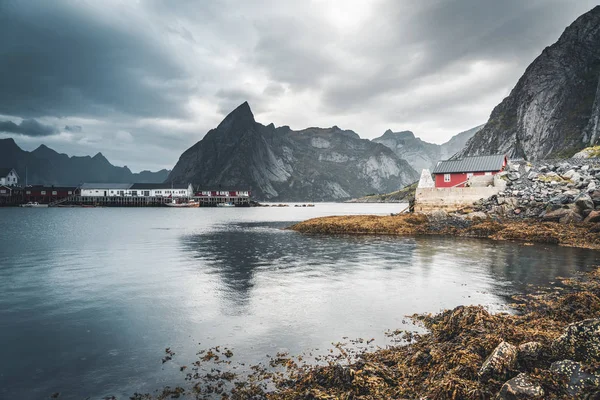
<point>90,298</point>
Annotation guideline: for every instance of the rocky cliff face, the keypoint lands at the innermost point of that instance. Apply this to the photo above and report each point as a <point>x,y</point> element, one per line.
<point>420,154</point>
<point>281,164</point>
<point>554,110</point>
<point>45,166</point>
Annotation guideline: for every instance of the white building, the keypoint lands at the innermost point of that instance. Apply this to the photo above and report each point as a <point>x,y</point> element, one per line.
<point>136,190</point>
<point>9,177</point>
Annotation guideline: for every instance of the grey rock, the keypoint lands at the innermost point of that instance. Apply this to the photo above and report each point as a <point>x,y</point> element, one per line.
<point>529,351</point>
<point>580,341</point>
<point>571,218</point>
<point>559,199</point>
<point>513,176</point>
<point>500,362</point>
<point>593,217</point>
<point>520,387</point>
<point>532,175</point>
<point>584,202</point>
<point>559,214</point>
<point>477,215</point>
<point>579,381</point>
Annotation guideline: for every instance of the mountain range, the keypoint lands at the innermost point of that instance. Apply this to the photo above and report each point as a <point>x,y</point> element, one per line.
<point>46,166</point>
<point>278,163</point>
<point>420,154</point>
<point>554,109</point>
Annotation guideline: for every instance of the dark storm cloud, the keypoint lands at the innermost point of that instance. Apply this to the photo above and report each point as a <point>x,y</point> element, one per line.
<point>74,128</point>
<point>62,58</point>
<point>27,127</point>
<point>161,74</point>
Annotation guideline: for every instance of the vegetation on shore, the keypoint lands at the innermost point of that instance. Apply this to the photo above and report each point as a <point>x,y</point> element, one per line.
<point>583,235</point>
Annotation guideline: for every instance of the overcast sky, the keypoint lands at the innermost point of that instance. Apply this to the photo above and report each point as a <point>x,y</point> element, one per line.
<point>141,81</point>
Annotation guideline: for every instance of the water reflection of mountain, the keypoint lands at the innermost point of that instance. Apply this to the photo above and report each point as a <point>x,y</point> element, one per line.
<point>512,266</point>
<point>244,255</point>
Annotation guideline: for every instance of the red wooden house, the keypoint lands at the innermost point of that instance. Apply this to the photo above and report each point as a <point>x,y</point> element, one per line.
<point>455,173</point>
<point>48,194</point>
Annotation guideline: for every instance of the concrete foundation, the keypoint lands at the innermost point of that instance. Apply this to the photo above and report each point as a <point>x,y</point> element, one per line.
<point>450,199</point>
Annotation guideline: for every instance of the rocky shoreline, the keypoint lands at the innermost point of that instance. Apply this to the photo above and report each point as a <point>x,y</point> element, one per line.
<point>549,348</point>
<point>474,224</point>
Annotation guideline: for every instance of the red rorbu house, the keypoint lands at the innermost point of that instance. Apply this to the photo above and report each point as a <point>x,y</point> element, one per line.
<point>48,194</point>
<point>455,173</point>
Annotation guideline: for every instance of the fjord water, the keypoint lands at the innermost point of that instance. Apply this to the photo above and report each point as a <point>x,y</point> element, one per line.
<point>90,298</point>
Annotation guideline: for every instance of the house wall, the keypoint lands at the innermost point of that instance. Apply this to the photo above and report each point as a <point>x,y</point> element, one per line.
<point>456,179</point>
<point>10,180</point>
<point>139,192</point>
<point>450,199</point>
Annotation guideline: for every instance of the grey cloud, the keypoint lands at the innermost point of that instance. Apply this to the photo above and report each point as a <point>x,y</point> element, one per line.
<point>27,127</point>
<point>122,63</point>
<point>59,59</point>
<point>293,51</point>
<point>74,128</point>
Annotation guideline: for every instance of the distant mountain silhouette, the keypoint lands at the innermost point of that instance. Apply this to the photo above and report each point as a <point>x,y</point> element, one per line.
<point>47,167</point>
<point>421,154</point>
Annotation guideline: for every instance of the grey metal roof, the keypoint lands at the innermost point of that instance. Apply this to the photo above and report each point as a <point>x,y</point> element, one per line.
<point>471,164</point>
<point>103,186</point>
<point>153,186</point>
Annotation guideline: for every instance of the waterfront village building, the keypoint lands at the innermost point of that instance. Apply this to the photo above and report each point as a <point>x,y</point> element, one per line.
<point>136,190</point>
<point>455,173</point>
<point>47,194</point>
<point>9,177</point>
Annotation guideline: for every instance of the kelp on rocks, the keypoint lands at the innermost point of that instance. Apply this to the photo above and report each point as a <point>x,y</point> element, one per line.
<point>584,235</point>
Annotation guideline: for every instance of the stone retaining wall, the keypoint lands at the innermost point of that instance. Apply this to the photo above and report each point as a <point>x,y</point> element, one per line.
<point>450,199</point>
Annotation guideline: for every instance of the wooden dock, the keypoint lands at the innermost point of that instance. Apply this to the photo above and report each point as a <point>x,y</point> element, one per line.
<point>145,201</point>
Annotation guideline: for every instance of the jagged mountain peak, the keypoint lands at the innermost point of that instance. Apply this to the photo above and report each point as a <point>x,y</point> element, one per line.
<point>240,117</point>
<point>312,164</point>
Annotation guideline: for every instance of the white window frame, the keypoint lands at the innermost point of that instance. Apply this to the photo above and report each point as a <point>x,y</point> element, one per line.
<point>43,192</point>
<point>469,175</point>
<point>488,173</point>
<point>447,178</point>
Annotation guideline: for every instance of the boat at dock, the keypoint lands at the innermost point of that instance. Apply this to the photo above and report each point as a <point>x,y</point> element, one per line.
<point>225,205</point>
<point>34,205</point>
<point>188,204</point>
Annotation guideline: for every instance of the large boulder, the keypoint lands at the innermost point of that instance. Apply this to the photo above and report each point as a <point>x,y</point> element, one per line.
<point>572,175</point>
<point>571,218</point>
<point>520,387</point>
<point>593,216</point>
<point>579,382</point>
<point>595,197</point>
<point>580,341</point>
<point>559,199</point>
<point>500,362</point>
<point>584,202</point>
<point>529,353</point>
<point>562,215</point>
